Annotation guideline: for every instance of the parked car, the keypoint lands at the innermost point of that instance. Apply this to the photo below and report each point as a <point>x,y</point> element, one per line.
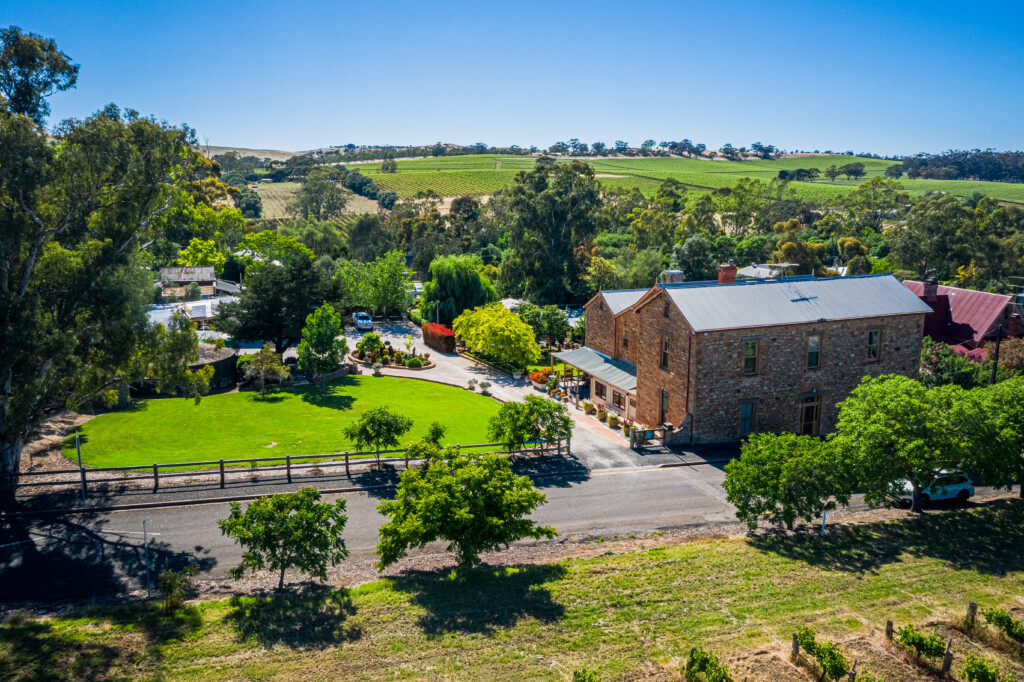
<point>950,485</point>
<point>363,322</point>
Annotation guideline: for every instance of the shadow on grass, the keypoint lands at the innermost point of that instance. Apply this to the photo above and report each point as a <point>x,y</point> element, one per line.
<point>986,538</point>
<point>483,599</point>
<point>35,650</point>
<point>314,617</point>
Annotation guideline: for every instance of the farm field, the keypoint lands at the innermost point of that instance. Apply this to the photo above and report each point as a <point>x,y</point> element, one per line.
<point>276,195</point>
<point>632,612</point>
<point>289,421</point>
<point>486,173</point>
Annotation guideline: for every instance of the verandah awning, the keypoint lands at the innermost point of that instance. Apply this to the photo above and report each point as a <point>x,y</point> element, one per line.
<point>617,373</point>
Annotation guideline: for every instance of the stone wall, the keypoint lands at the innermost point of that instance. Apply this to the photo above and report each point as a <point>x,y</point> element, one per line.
<point>627,320</point>
<point>652,326</point>
<point>783,377</point>
<point>600,326</point>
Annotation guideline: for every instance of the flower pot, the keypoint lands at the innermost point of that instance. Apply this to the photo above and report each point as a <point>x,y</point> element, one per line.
<point>517,375</point>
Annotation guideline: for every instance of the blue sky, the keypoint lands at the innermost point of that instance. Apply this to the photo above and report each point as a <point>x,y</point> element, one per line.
<point>884,77</point>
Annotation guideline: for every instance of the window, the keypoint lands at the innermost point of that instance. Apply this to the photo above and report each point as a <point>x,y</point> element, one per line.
<point>600,390</point>
<point>618,400</point>
<point>813,351</point>
<point>665,310</point>
<point>748,417</point>
<point>750,358</point>
<point>810,411</point>
<point>874,336</point>
<point>664,352</point>
<point>664,406</point>
<point>625,338</point>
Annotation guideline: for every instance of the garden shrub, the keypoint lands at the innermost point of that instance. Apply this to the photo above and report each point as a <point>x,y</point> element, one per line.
<point>414,363</point>
<point>176,586</point>
<point>706,663</point>
<point>931,646</point>
<point>242,362</point>
<point>1014,629</point>
<point>540,376</point>
<point>585,675</point>
<point>981,670</point>
<point>439,337</point>
<point>828,654</point>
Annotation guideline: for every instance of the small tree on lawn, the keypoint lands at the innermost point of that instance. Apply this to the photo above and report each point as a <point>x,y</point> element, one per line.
<point>785,477</point>
<point>555,323</point>
<point>288,530</point>
<point>474,503</point>
<point>498,333</point>
<point>320,350</point>
<point>266,366</point>
<point>892,429</point>
<point>379,428</point>
<point>517,423</point>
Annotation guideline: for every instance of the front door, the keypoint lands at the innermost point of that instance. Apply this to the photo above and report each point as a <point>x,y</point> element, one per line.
<point>810,411</point>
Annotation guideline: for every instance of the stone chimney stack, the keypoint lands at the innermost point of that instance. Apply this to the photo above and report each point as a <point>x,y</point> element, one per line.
<point>727,273</point>
<point>1014,329</point>
<point>673,276</point>
<point>931,288</point>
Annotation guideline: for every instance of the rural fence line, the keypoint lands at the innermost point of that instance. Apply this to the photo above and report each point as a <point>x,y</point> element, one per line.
<point>221,466</point>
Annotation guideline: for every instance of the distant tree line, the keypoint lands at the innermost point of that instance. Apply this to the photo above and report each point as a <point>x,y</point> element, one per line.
<point>967,165</point>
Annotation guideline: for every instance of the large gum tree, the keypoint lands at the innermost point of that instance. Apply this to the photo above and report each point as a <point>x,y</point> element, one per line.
<point>77,209</point>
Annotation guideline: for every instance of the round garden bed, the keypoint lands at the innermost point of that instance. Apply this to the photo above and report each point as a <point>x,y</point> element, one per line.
<point>427,364</point>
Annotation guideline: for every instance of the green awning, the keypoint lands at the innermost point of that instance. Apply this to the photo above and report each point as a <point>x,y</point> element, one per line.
<point>617,373</point>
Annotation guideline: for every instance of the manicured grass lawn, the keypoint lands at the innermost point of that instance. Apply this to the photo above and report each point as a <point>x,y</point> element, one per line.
<point>301,421</point>
<point>631,615</point>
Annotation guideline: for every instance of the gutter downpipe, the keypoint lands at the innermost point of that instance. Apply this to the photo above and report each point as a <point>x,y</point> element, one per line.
<point>689,359</point>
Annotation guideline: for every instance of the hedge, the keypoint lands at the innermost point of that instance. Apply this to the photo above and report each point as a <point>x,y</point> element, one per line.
<point>439,337</point>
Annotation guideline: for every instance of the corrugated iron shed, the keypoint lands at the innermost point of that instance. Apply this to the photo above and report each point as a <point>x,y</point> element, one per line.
<point>711,306</point>
<point>968,315</point>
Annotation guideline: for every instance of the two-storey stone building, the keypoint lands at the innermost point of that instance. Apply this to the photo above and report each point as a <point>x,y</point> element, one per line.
<point>719,360</point>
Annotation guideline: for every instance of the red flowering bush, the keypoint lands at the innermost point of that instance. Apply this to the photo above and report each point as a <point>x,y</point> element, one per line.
<point>540,376</point>
<point>439,337</point>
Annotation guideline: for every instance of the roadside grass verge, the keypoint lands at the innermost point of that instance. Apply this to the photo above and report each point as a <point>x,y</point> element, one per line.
<point>297,420</point>
<point>631,615</point>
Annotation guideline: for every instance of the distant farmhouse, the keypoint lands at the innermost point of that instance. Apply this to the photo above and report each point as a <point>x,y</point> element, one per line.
<point>173,281</point>
<point>716,361</point>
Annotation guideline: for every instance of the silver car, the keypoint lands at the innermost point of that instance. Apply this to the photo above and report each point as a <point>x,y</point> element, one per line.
<point>363,322</point>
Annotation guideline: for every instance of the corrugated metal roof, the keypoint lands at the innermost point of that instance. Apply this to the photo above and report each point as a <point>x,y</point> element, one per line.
<point>620,299</point>
<point>188,273</point>
<point>791,300</point>
<point>971,314</point>
<point>617,373</point>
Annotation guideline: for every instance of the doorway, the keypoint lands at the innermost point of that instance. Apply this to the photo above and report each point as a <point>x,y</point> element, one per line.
<point>810,414</point>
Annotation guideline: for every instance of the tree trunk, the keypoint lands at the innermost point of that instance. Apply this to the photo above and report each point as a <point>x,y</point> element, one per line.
<point>915,505</point>
<point>10,461</point>
<point>280,582</point>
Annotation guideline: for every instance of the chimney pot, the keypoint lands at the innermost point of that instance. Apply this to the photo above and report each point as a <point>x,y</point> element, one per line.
<point>931,287</point>
<point>727,273</point>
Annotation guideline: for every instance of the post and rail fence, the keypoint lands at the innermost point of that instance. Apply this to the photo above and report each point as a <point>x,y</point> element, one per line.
<point>221,466</point>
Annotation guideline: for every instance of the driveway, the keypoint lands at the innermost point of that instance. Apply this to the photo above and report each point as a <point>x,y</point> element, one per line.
<point>594,444</point>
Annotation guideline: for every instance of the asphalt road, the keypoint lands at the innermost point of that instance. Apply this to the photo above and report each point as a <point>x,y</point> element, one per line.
<point>101,553</point>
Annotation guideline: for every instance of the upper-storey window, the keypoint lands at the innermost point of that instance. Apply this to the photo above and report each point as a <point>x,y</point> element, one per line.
<point>625,339</point>
<point>813,351</point>
<point>750,358</point>
<point>665,310</point>
<point>874,347</point>
<point>664,352</point>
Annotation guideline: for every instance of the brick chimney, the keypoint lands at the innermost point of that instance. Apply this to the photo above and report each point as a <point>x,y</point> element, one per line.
<point>931,288</point>
<point>1014,329</point>
<point>727,273</point>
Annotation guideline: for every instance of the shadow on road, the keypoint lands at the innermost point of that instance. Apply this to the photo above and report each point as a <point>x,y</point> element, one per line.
<point>76,555</point>
<point>985,537</point>
<point>484,599</point>
<point>312,617</point>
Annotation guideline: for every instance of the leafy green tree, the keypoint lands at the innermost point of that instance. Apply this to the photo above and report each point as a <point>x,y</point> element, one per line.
<point>531,315</point>
<point>193,292</point>
<point>73,292</point>
<point>175,347</point>
<point>321,196</point>
<point>32,69</point>
<point>323,237</point>
<point>790,249</point>
<point>832,173</point>
<point>455,285</point>
<point>520,422</point>
<point>875,201</point>
<point>894,430</point>
<point>200,252</point>
<point>274,303</point>
<point>784,477</point>
<point>378,427</point>
<point>474,503</point>
<point>1000,448</point>
<point>389,166</point>
<point>601,275</point>
<point>553,214</point>
<point>935,238</point>
<point>266,366</point>
<point>322,347</point>
<point>853,170</point>
<point>387,284</point>
<point>555,324</point>
<point>435,433</point>
<point>288,530</point>
<point>695,259</point>
<point>894,172</point>
<point>942,366</point>
<point>249,203</point>
<point>498,333</point>
<point>639,269</point>
<point>269,246</point>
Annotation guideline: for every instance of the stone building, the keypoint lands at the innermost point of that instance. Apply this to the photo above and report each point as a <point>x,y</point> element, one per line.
<point>715,361</point>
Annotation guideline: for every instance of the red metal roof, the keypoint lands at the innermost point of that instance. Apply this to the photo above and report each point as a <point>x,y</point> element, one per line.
<point>968,315</point>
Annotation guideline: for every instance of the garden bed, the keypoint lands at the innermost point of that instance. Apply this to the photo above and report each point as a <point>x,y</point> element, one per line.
<point>428,364</point>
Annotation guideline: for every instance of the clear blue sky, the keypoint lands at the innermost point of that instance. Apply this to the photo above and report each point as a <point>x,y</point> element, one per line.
<point>894,77</point>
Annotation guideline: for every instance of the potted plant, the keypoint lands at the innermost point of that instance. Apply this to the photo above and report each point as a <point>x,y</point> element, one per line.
<point>588,407</point>
<point>485,387</point>
<point>626,426</point>
<point>602,413</point>
<point>376,369</point>
<point>517,375</point>
<point>613,420</point>
<point>471,384</point>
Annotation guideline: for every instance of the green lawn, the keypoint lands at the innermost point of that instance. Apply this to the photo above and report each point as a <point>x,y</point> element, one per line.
<point>631,615</point>
<point>301,421</point>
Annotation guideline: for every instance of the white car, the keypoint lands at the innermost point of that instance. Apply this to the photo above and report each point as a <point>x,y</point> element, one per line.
<point>949,485</point>
<point>363,322</point>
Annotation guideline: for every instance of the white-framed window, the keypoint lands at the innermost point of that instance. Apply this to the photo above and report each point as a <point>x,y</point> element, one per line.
<point>813,351</point>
